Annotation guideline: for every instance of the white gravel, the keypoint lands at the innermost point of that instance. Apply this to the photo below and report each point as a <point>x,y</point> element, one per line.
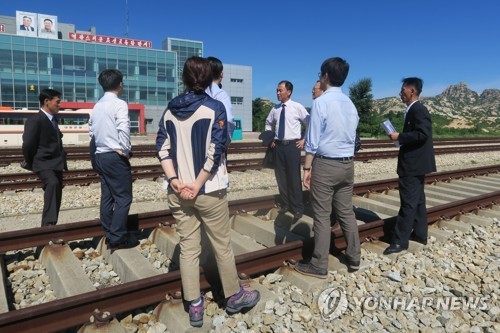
<point>466,265</point>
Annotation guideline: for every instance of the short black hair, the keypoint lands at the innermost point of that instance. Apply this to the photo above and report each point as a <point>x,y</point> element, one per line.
<point>216,66</point>
<point>337,69</point>
<point>48,94</point>
<point>414,82</point>
<point>197,74</point>
<point>288,85</point>
<point>110,79</point>
<point>47,19</point>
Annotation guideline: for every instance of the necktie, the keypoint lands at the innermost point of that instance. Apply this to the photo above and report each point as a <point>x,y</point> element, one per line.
<point>54,122</point>
<point>281,129</point>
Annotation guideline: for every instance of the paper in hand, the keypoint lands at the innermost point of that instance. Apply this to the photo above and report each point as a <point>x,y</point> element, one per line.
<point>389,129</point>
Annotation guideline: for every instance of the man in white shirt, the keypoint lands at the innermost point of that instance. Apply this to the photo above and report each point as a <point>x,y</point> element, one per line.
<point>215,91</point>
<point>109,128</point>
<point>287,117</point>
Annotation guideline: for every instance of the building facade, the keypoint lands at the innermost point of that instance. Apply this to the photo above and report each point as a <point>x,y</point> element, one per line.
<point>70,61</point>
<point>237,82</point>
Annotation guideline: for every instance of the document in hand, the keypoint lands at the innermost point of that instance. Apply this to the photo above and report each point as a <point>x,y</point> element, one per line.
<point>388,128</point>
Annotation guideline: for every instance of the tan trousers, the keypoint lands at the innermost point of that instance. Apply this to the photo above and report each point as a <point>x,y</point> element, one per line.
<point>212,210</point>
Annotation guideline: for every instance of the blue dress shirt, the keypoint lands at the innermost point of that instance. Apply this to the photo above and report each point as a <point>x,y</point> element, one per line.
<point>332,126</point>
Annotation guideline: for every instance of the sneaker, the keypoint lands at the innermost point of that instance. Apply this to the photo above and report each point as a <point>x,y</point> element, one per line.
<point>196,313</point>
<point>243,299</point>
<point>308,269</point>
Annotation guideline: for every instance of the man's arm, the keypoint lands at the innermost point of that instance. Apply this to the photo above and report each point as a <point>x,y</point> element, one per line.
<point>270,121</point>
<point>422,127</point>
<point>313,131</point>
<point>31,137</point>
<point>226,100</point>
<point>123,128</point>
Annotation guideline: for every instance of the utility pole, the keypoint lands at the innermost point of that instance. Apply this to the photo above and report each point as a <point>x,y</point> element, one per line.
<point>126,18</point>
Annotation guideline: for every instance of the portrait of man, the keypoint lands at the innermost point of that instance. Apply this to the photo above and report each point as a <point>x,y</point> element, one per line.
<point>27,23</point>
<point>47,26</point>
<point>27,20</point>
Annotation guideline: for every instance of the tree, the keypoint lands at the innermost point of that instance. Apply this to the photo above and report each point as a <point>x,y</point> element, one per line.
<point>260,110</point>
<point>361,96</point>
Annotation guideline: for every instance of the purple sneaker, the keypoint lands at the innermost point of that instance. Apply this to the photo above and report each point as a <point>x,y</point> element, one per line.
<point>243,299</point>
<point>196,313</point>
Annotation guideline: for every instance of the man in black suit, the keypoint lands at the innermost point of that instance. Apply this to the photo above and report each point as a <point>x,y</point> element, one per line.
<point>44,153</point>
<point>26,24</point>
<point>416,158</point>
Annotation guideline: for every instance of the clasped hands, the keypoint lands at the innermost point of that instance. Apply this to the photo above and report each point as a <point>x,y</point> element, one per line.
<point>185,191</point>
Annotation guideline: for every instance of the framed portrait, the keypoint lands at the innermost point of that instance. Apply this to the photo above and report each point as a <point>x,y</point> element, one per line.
<point>47,26</point>
<point>26,23</point>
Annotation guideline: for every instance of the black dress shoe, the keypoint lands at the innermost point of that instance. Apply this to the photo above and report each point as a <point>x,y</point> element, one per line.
<point>394,248</point>
<point>125,245</point>
<point>297,216</point>
<point>419,240</point>
<point>353,265</point>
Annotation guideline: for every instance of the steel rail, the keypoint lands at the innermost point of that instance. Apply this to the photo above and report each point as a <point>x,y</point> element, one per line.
<point>20,239</point>
<point>21,181</point>
<point>13,155</point>
<point>239,145</point>
<point>14,240</point>
<point>72,311</point>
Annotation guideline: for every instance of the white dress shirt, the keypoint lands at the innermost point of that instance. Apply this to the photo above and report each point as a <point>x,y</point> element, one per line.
<point>295,113</point>
<point>109,124</point>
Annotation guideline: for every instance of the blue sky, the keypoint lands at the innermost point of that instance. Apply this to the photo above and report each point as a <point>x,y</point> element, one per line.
<point>443,42</point>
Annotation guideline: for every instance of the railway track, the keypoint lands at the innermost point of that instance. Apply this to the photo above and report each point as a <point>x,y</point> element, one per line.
<point>26,181</point>
<point>14,155</point>
<point>453,198</point>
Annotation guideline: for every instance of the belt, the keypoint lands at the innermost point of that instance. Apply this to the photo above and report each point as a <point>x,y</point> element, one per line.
<point>285,142</point>
<point>335,158</point>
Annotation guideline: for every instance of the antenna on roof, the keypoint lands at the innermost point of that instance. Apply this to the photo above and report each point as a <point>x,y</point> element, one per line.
<point>126,17</point>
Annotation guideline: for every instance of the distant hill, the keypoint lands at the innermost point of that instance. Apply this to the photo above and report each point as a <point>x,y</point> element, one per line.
<point>456,101</point>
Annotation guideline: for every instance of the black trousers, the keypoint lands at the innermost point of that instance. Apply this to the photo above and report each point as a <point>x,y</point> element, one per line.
<point>116,196</point>
<point>412,214</point>
<point>288,176</point>
<point>52,186</point>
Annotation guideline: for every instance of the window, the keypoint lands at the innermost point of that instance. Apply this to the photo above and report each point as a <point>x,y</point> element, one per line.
<point>236,100</point>
<point>237,80</point>
<point>73,119</point>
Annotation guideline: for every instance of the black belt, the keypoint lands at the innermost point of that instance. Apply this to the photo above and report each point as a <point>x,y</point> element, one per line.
<point>285,142</point>
<point>335,158</point>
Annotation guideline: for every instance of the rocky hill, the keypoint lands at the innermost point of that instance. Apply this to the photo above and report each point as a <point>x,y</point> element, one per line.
<point>456,101</point>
